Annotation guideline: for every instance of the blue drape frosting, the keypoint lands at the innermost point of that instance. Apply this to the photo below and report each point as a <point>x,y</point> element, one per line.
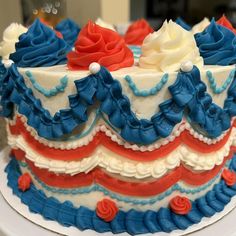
<point>132,221</point>
<point>217,45</point>
<point>40,46</point>
<point>69,30</point>
<point>189,98</point>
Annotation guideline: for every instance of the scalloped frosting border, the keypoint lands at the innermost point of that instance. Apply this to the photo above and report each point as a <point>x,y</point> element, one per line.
<point>188,91</point>
<point>133,222</point>
<point>105,137</point>
<point>116,184</point>
<point>116,164</point>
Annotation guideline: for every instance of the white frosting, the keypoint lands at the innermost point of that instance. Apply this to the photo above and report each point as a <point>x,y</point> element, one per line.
<point>165,49</point>
<point>104,24</point>
<point>10,37</point>
<point>90,199</point>
<point>145,79</point>
<point>199,27</point>
<point>73,144</point>
<point>116,164</point>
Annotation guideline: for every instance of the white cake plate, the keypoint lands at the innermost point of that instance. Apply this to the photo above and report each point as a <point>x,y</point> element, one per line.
<point>12,224</point>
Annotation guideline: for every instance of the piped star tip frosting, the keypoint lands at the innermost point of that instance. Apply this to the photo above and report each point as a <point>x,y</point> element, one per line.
<point>101,45</point>
<point>165,49</point>
<point>226,23</point>
<point>137,32</point>
<point>217,45</point>
<point>40,47</point>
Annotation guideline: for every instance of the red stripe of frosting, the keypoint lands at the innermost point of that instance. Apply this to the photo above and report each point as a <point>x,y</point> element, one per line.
<point>101,139</point>
<point>120,186</point>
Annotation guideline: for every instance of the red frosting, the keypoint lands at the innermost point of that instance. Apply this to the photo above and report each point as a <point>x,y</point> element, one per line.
<point>229,177</point>
<point>101,45</point>
<point>24,182</point>
<point>180,205</point>
<point>115,184</point>
<point>101,139</point>
<point>226,23</point>
<point>137,32</point>
<point>106,210</point>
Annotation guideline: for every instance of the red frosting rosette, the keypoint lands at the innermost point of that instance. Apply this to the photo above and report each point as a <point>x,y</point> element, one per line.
<point>229,177</point>
<point>101,45</point>
<point>137,32</point>
<point>24,182</point>
<point>226,23</point>
<point>180,205</point>
<point>106,210</point>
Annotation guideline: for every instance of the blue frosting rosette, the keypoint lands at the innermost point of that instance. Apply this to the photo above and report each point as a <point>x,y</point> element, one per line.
<point>183,24</point>
<point>40,46</point>
<point>69,30</point>
<point>217,45</point>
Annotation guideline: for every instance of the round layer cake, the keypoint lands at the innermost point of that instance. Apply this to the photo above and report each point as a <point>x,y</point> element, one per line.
<point>107,140</point>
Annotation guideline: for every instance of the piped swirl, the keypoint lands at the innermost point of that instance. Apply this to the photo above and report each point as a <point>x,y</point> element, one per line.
<point>40,46</point>
<point>167,48</point>
<point>69,29</point>
<point>217,45</point>
<point>101,45</point>
<point>137,32</point>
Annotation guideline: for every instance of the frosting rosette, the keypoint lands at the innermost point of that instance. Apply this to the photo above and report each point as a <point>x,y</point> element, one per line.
<point>182,23</point>
<point>180,205</point>
<point>217,45</point>
<point>40,46</point>
<point>10,38</point>
<point>167,48</point>
<point>104,24</point>
<point>137,32</point>
<point>229,177</point>
<point>69,29</point>
<point>199,27</point>
<point>106,210</point>
<point>226,23</point>
<point>101,45</point>
<point>24,182</point>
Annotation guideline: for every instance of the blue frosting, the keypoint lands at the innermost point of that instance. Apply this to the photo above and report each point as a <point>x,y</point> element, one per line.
<point>217,45</point>
<point>188,94</point>
<point>40,46</point>
<point>225,85</point>
<point>132,221</point>
<point>182,23</point>
<point>146,93</point>
<point>69,30</point>
<point>136,50</point>
<point>99,188</point>
<point>48,92</point>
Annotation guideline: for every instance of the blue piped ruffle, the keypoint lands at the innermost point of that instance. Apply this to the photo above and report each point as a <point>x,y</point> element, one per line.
<point>134,222</point>
<point>189,98</point>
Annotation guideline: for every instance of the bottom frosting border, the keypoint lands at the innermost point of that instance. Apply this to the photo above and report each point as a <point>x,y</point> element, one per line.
<point>132,222</point>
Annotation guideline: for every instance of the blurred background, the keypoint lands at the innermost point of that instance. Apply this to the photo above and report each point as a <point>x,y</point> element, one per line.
<point>117,12</point>
<point>113,11</point>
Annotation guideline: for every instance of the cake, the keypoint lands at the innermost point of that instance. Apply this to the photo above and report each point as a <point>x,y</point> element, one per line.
<point>100,142</point>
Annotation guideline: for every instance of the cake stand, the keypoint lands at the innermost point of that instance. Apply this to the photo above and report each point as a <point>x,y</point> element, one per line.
<point>16,220</point>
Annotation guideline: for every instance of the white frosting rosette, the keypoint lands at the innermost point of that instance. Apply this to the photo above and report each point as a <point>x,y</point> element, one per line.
<point>166,49</point>
<point>10,38</point>
<point>104,24</point>
<point>200,26</point>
